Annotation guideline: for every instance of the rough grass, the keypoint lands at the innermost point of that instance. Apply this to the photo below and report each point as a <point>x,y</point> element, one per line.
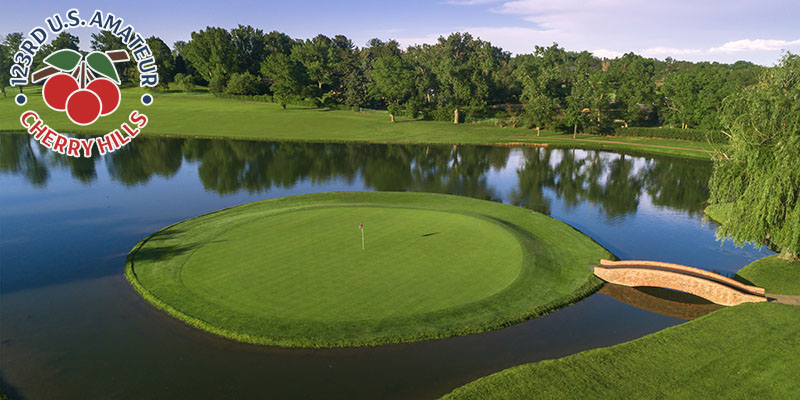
<point>202,115</point>
<point>291,272</point>
<point>743,352</point>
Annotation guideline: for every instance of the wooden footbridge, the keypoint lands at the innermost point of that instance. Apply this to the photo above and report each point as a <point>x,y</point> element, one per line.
<point>708,285</point>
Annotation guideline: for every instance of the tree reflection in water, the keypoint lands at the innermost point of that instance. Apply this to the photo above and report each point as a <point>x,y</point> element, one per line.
<point>614,182</point>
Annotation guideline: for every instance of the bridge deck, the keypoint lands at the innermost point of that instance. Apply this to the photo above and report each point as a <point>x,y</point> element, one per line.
<point>713,287</point>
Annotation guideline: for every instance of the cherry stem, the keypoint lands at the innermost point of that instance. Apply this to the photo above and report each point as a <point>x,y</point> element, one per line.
<point>43,73</point>
<point>83,74</point>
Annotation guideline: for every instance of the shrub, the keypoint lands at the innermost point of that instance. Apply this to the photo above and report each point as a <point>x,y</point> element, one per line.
<point>217,84</point>
<point>413,107</point>
<point>184,83</point>
<point>244,83</point>
<point>441,114</point>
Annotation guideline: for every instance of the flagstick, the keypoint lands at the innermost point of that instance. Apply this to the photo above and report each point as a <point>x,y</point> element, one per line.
<point>362,238</point>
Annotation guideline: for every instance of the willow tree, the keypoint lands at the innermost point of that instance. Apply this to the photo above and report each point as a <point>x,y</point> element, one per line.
<point>759,173</point>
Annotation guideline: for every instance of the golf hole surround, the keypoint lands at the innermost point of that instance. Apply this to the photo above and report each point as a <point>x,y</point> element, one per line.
<point>291,272</point>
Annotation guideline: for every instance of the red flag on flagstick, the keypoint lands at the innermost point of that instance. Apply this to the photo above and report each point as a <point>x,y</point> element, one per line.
<point>361,228</point>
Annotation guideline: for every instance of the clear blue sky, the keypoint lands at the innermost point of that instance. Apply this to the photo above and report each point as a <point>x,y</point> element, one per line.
<point>715,30</point>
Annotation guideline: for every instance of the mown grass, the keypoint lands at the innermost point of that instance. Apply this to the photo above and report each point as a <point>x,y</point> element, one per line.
<point>743,352</point>
<point>776,275</point>
<point>202,115</point>
<point>291,272</point>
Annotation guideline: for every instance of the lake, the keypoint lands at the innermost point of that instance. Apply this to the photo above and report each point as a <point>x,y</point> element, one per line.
<point>72,328</point>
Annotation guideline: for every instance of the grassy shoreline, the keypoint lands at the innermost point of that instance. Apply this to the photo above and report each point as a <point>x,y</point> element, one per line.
<point>714,356</point>
<point>549,279</point>
<point>702,355</point>
<point>202,115</point>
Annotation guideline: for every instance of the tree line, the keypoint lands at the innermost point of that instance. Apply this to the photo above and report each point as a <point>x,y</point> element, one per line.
<point>456,78</point>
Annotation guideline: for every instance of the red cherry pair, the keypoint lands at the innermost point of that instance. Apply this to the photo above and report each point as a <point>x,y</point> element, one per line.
<point>101,97</point>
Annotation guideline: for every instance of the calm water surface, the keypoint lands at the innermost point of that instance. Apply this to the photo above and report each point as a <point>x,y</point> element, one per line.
<point>72,328</point>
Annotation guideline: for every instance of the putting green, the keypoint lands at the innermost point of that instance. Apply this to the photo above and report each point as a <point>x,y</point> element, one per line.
<point>292,272</point>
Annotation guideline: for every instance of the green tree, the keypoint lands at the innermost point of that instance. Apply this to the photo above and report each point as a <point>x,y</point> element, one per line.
<point>212,54</point>
<point>287,78</point>
<point>5,64</point>
<point>541,90</point>
<point>278,42</point>
<point>463,68</point>
<point>578,103</point>
<point>355,89</point>
<point>758,173</point>
<point>422,59</point>
<point>250,47</point>
<point>632,78</point>
<point>181,66</point>
<point>11,43</point>
<point>393,80</point>
<point>317,56</point>
<point>680,92</point>
<point>165,61</point>
<point>105,41</point>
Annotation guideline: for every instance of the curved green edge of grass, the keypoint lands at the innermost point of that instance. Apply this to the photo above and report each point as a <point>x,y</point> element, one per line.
<point>747,351</point>
<point>566,268</point>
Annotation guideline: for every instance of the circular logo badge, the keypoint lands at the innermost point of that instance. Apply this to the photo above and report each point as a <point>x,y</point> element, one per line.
<point>83,85</point>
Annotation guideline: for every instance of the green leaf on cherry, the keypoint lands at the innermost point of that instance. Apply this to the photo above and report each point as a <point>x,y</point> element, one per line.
<point>99,62</point>
<point>64,59</point>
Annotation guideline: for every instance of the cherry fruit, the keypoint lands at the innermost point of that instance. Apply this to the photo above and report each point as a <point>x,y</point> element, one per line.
<point>84,107</point>
<point>108,92</point>
<point>57,89</point>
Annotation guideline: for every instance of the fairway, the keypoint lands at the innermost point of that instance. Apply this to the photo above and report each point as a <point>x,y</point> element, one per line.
<point>202,115</point>
<point>292,272</point>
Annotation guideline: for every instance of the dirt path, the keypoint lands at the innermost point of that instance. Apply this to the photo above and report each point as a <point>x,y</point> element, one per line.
<point>784,299</point>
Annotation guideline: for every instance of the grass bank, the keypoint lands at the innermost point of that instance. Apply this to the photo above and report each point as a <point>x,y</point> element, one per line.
<point>737,352</point>
<point>202,115</point>
<point>747,351</point>
<point>775,275</point>
<point>291,271</point>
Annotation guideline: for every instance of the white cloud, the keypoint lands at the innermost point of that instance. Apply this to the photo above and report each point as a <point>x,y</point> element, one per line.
<point>533,7</point>
<point>682,29</point>
<point>569,15</point>
<point>738,46</point>
<point>605,53</point>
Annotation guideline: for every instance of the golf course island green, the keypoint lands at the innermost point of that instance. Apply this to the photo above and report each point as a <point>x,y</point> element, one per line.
<point>292,271</point>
